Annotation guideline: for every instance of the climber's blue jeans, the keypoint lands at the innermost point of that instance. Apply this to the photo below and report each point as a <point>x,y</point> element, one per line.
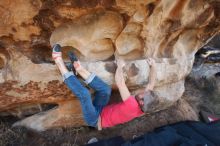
<point>91,109</point>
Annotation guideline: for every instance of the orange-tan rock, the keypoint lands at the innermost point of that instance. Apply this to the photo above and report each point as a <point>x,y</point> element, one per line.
<point>170,32</point>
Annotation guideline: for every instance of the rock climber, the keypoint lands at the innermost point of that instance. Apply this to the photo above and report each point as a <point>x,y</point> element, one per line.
<point>96,112</point>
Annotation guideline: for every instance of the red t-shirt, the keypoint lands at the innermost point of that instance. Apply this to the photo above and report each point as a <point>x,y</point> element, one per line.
<point>119,113</point>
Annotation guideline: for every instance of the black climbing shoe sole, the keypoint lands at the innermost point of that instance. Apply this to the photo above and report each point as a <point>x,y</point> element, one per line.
<point>72,58</point>
<point>69,66</point>
<point>56,48</point>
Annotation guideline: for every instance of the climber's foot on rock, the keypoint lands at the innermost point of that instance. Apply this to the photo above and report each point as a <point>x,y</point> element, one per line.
<point>76,63</point>
<point>57,57</point>
<point>69,66</point>
<point>56,53</point>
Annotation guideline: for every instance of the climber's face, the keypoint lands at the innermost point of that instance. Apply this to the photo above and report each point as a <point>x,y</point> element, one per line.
<point>140,98</point>
<point>144,98</point>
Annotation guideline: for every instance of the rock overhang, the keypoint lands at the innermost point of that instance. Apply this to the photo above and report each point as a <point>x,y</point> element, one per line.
<point>132,30</point>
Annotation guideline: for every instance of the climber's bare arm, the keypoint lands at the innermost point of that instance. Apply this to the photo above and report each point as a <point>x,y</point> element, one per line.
<point>152,75</point>
<point>120,81</point>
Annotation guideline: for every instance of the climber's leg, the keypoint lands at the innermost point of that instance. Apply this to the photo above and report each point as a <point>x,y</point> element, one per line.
<point>89,112</point>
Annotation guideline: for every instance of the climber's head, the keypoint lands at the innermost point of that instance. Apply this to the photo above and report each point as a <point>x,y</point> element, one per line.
<point>145,100</point>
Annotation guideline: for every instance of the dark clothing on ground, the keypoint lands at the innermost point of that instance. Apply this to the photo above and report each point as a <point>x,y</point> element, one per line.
<point>188,133</point>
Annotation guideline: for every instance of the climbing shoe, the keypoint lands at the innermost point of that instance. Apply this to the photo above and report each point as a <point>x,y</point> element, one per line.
<point>69,66</point>
<point>56,48</point>
<point>72,58</point>
<point>56,51</point>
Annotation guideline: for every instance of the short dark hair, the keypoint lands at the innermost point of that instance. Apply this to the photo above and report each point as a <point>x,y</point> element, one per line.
<point>150,99</point>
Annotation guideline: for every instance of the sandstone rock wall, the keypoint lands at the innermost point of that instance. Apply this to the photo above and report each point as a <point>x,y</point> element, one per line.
<point>170,32</point>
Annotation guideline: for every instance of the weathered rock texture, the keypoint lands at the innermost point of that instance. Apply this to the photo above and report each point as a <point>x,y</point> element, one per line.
<point>171,32</point>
